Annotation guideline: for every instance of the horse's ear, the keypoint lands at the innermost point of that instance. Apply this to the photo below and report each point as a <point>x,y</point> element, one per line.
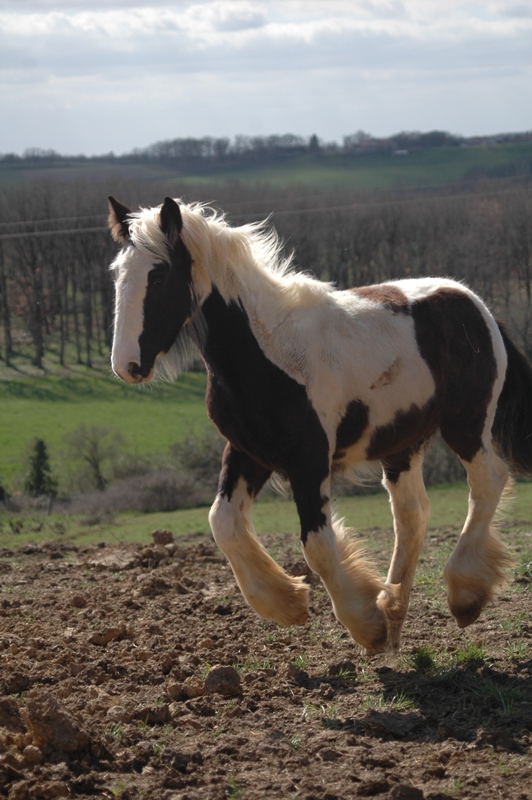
<point>171,221</point>
<point>117,220</point>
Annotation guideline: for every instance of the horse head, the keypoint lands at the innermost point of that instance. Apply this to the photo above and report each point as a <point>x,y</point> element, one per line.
<point>154,295</point>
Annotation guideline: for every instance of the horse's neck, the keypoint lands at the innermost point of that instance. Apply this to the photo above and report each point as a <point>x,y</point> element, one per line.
<point>262,315</point>
<point>261,294</point>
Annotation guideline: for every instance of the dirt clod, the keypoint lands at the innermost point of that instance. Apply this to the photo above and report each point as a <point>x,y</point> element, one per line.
<point>162,536</point>
<point>223,680</point>
<point>32,755</point>
<point>404,792</point>
<point>10,718</point>
<point>52,726</point>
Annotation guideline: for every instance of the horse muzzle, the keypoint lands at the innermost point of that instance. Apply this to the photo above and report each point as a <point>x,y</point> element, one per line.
<point>135,373</point>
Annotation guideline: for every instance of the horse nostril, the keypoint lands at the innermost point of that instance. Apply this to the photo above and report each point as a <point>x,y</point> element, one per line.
<point>133,369</point>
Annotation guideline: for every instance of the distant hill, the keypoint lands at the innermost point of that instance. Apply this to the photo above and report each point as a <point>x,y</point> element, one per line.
<point>362,162</point>
<point>382,170</point>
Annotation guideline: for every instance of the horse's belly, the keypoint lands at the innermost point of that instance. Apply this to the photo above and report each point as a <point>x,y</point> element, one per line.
<point>352,455</point>
<point>392,411</point>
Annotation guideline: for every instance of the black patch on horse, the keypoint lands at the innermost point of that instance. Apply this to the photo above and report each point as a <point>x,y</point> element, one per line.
<point>261,410</point>
<point>455,341</point>
<point>351,427</point>
<point>236,465</point>
<point>394,444</point>
<point>168,304</point>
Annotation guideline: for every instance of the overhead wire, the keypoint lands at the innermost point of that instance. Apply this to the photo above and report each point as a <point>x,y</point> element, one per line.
<point>230,209</point>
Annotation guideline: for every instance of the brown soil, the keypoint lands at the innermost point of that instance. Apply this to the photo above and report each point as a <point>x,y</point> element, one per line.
<point>139,672</point>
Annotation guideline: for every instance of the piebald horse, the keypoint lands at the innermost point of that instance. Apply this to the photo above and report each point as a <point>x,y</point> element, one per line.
<point>307,381</point>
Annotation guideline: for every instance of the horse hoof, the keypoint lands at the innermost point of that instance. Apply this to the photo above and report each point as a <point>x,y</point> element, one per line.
<point>298,618</point>
<point>466,614</point>
<point>370,652</point>
<point>374,638</point>
<point>289,617</point>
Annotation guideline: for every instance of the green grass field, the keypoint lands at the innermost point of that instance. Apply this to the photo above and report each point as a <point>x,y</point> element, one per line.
<point>429,167</point>
<point>150,418</point>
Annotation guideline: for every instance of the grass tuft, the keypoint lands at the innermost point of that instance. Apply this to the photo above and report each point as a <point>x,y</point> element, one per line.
<point>423,659</point>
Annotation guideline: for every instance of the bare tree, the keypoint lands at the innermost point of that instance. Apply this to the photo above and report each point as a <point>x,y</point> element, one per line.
<point>95,447</point>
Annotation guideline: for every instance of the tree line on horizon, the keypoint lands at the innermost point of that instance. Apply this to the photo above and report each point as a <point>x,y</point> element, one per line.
<point>242,148</point>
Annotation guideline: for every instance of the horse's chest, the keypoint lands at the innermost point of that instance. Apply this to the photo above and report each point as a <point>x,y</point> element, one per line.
<point>271,418</point>
<point>257,406</point>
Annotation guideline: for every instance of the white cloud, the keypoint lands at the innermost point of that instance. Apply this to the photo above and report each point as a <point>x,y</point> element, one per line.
<point>224,16</point>
<point>217,67</point>
<point>228,31</point>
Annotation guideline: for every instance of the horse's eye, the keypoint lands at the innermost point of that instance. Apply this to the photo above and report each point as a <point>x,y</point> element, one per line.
<point>156,279</point>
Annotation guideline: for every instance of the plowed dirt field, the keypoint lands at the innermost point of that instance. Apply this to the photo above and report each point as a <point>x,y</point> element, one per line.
<point>140,672</point>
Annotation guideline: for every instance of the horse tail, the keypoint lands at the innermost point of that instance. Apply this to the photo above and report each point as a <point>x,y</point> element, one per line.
<point>512,428</point>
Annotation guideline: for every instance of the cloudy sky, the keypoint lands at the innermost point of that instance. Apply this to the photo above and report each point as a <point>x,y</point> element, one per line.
<point>91,76</point>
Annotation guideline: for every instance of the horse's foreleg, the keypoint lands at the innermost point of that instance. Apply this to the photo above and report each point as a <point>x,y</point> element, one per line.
<point>475,570</point>
<point>331,551</point>
<point>411,511</point>
<point>268,589</point>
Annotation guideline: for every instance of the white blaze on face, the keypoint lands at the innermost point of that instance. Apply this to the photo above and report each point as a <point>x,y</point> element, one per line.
<point>131,269</point>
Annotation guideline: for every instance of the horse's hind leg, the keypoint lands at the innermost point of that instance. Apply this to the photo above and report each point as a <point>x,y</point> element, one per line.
<point>411,512</point>
<point>475,570</point>
<point>266,586</point>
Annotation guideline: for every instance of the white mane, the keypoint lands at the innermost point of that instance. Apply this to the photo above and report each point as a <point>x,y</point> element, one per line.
<point>235,259</point>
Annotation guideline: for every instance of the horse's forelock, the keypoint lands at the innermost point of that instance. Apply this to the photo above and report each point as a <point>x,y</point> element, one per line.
<point>146,233</point>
